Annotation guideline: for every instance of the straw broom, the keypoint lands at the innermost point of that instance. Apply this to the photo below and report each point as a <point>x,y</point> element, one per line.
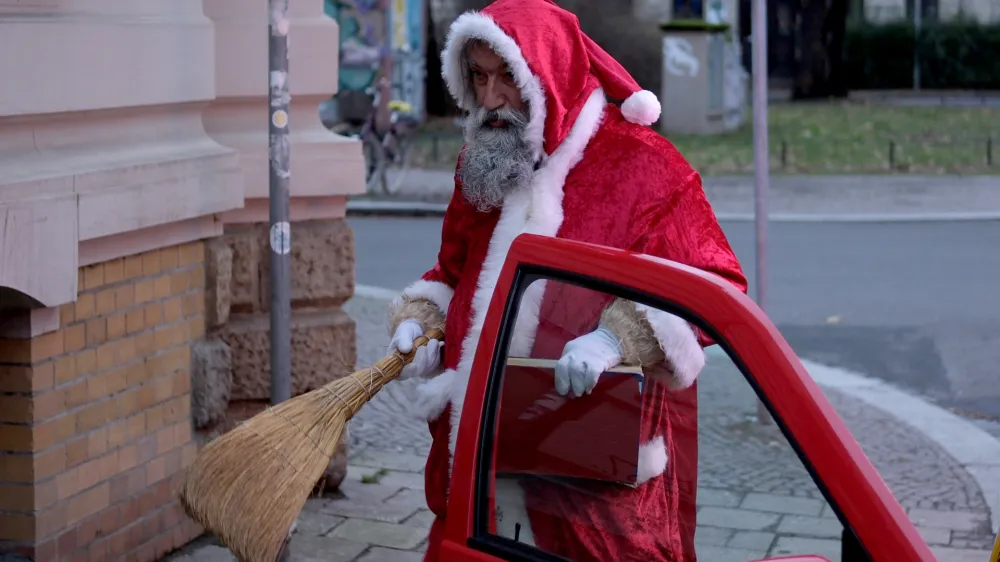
<point>248,486</point>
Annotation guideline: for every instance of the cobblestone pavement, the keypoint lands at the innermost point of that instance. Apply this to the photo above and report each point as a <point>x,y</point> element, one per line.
<point>755,497</point>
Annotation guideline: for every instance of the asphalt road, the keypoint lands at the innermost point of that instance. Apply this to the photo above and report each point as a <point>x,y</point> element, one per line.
<point>916,304</point>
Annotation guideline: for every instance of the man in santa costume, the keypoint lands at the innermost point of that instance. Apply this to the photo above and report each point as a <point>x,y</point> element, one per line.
<point>547,153</point>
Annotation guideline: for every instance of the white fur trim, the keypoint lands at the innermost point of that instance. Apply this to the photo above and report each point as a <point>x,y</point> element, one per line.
<point>679,344</point>
<point>432,396</point>
<point>652,459</point>
<point>476,25</point>
<point>434,291</point>
<point>642,107</point>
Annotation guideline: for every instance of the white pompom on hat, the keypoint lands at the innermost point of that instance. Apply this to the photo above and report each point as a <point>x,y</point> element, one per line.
<point>639,106</point>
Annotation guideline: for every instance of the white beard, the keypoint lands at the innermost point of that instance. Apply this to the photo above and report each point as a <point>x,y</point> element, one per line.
<point>497,161</point>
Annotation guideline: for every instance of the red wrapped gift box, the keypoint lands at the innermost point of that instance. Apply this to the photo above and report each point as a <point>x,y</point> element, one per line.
<point>594,437</point>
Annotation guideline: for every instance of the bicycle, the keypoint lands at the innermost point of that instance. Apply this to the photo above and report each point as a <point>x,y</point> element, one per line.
<point>387,157</point>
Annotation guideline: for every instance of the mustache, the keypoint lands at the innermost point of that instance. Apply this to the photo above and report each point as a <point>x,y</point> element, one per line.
<point>512,117</point>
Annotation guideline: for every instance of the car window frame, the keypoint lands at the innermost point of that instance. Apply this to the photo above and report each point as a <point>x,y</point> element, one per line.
<point>680,290</point>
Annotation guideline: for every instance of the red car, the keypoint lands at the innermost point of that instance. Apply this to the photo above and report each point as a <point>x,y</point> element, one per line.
<point>814,497</point>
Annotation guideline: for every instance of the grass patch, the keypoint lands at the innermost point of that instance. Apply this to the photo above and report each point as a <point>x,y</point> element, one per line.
<point>375,477</point>
<point>819,138</point>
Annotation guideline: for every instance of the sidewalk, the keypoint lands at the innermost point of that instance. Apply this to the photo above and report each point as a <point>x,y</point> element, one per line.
<point>872,196</point>
<point>755,497</point>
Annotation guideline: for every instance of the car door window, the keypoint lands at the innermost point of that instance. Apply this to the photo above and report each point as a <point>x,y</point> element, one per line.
<point>642,467</point>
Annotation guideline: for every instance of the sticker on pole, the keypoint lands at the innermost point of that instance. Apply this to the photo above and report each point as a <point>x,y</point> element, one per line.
<point>279,118</point>
<point>281,238</point>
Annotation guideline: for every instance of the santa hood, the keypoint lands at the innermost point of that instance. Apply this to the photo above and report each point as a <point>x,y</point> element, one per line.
<point>555,65</point>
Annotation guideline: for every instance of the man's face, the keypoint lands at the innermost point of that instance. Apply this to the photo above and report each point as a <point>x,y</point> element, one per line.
<point>497,159</point>
<point>492,80</point>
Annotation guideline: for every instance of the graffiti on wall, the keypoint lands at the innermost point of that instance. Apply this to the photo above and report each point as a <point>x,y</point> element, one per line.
<point>408,48</point>
<point>368,32</point>
<point>679,57</point>
<point>362,40</point>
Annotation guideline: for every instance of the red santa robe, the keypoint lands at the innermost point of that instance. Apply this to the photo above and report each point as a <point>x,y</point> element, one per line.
<point>607,179</point>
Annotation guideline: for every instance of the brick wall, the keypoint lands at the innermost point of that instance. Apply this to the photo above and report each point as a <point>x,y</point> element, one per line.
<point>95,418</point>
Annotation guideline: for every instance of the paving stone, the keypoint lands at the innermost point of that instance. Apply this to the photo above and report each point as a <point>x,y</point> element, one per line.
<point>379,554</point>
<point>828,512</point>
<point>955,520</point>
<point>394,478</point>
<point>711,536</point>
<point>782,504</point>
<point>403,537</point>
<point>316,524</point>
<point>363,500</point>
<point>409,480</point>
<point>742,519</point>
<point>210,553</point>
<point>323,549</point>
<point>424,519</point>
<point>408,498</point>
<point>718,498</point>
<point>723,554</point>
<point>786,546</point>
<point>935,536</point>
<point>390,461</point>
<point>960,554</point>
<point>753,540</point>
<point>818,527</point>
<point>370,511</point>
<point>369,492</point>
<point>974,540</point>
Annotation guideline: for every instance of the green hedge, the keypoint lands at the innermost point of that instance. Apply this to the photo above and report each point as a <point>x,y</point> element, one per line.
<point>953,55</point>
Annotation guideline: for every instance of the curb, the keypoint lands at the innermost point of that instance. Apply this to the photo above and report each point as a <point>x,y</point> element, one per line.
<point>975,450</point>
<point>426,208</point>
<point>372,292</point>
<point>395,208</point>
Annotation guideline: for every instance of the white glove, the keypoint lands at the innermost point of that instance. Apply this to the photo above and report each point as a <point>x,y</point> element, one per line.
<point>584,359</point>
<point>426,360</point>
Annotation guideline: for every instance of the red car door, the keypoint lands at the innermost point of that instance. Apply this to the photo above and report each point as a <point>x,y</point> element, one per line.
<point>832,505</point>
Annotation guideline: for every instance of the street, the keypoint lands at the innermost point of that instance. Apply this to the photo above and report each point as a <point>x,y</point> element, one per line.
<point>915,304</point>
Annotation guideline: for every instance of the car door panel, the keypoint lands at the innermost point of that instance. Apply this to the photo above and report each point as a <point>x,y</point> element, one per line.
<point>833,458</point>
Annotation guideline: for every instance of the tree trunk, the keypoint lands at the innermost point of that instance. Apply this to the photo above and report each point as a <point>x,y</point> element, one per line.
<point>819,44</point>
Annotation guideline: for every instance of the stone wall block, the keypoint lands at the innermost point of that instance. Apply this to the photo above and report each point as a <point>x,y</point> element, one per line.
<point>218,283</point>
<point>324,348</point>
<point>211,381</point>
<point>322,264</point>
<point>245,293</point>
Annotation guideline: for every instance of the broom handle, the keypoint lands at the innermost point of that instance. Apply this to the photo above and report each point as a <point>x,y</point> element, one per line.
<point>432,334</point>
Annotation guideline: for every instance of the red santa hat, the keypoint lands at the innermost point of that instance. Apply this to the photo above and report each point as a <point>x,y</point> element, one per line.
<point>555,65</point>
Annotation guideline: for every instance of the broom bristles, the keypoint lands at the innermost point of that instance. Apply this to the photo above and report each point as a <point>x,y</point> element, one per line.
<point>248,486</point>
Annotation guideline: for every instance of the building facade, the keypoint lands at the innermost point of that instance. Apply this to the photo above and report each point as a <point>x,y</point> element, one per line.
<point>133,255</point>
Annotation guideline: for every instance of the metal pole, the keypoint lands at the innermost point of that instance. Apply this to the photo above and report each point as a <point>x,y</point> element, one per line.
<point>917,21</point>
<point>280,233</point>
<point>760,161</point>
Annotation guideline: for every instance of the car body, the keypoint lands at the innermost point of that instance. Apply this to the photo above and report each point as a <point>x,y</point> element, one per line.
<point>876,527</point>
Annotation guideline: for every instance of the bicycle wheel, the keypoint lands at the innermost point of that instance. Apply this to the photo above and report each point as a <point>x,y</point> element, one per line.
<point>398,166</point>
<point>371,148</point>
